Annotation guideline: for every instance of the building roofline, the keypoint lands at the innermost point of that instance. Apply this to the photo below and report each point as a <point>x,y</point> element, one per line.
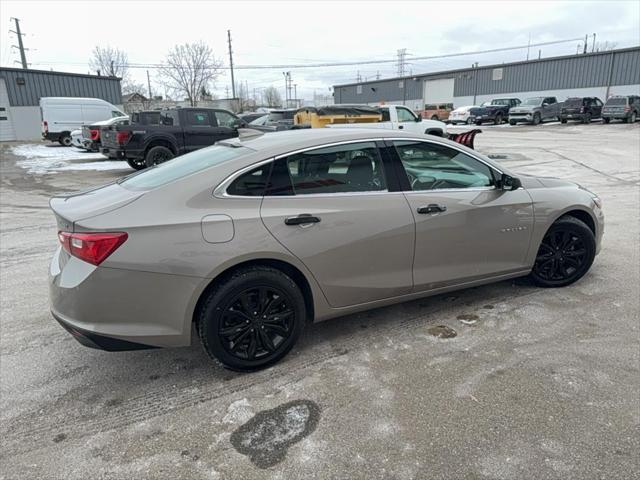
<point>481,67</point>
<point>52,72</point>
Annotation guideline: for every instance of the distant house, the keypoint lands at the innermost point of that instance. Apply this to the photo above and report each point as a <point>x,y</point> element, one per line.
<point>134,102</point>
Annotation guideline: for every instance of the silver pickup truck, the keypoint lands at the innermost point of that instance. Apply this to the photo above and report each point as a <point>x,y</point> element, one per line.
<point>535,110</point>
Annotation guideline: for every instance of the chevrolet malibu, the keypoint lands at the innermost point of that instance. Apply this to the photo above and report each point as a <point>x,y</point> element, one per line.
<point>246,241</point>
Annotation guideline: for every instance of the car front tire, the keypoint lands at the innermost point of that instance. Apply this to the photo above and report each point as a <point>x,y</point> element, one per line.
<point>565,254</point>
<point>252,319</point>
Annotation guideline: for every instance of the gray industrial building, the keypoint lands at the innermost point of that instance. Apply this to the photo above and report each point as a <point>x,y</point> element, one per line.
<point>21,90</point>
<point>600,74</point>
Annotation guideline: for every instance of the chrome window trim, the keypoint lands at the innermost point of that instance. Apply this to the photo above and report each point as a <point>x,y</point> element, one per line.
<point>221,190</point>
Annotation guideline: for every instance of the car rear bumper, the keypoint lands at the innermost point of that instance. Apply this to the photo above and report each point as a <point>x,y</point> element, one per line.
<point>117,309</point>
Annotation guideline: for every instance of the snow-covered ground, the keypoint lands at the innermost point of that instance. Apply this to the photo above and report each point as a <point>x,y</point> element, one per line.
<point>44,159</point>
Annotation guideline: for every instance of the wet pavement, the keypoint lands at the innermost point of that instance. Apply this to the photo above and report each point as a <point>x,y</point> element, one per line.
<point>505,381</point>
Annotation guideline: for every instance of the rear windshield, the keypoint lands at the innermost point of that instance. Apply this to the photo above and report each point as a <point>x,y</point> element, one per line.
<point>617,101</point>
<point>572,102</point>
<point>182,166</point>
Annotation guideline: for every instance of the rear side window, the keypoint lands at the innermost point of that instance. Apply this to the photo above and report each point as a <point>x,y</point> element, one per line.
<point>252,183</point>
<point>198,119</point>
<point>182,166</point>
<point>354,167</point>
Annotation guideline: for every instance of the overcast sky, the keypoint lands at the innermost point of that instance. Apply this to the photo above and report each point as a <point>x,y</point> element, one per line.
<point>61,34</point>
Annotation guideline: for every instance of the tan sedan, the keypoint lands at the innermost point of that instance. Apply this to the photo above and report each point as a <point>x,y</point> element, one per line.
<point>251,238</point>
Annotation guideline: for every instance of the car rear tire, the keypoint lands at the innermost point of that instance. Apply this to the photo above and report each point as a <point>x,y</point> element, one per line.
<point>157,155</point>
<point>252,319</point>
<point>536,119</point>
<point>565,254</point>
<point>65,140</point>
<point>136,163</point>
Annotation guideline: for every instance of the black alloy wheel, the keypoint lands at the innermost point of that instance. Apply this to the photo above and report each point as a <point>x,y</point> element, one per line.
<point>256,323</point>
<point>252,319</point>
<point>157,155</point>
<point>565,254</point>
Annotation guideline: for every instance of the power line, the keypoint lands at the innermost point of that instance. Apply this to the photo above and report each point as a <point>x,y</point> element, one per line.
<point>347,63</point>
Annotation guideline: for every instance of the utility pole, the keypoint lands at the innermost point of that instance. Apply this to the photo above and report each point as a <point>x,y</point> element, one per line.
<point>149,84</point>
<point>233,83</point>
<point>23,57</point>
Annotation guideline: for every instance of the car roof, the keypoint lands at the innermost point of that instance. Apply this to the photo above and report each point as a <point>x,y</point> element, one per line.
<point>279,143</point>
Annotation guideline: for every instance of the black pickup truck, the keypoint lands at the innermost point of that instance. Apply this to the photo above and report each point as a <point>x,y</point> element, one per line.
<point>181,130</point>
<point>494,111</point>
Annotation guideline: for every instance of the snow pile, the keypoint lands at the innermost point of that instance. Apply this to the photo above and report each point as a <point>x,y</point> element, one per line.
<point>43,159</point>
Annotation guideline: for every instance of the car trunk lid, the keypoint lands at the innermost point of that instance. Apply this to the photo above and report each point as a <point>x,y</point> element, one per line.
<point>73,207</point>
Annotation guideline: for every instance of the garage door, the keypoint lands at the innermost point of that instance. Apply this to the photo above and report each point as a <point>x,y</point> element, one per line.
<point>439,91</point>
<point>7,131</point>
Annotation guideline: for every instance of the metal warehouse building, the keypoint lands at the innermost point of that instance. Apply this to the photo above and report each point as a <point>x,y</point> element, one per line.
<point>21,90</point>
<point>601,74</point>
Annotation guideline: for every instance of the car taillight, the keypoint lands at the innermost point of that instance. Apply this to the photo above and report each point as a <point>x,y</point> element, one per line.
<point>123,137</point>
<point>95,134</point>
<point>93,248</point>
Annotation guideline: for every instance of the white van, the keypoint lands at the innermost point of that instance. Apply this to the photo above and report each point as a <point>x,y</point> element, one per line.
<point>62,115</point>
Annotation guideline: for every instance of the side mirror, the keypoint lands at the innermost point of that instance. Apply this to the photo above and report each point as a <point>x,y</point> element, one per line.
<point>508,182</point>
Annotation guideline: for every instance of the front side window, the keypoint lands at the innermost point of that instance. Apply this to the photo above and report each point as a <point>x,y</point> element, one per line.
<point>198,118</point>
<point>354,167</point>
<point>225,119</point>
<point>431,166</point>
<point>405,115</point>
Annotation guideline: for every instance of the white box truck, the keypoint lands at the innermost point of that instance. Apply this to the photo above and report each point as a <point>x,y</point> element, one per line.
<point>62,115</point>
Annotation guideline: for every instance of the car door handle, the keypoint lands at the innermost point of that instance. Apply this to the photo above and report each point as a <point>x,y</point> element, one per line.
<point>302,219</point>
<point>432,208</point>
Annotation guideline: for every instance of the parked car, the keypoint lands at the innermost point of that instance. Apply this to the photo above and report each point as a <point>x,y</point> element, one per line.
<point>439,111</point>
<point>496,111</point>
<point>250,239</point>
<point>89,138</point>
<point>399,117</point>
<point>625,108</point>
<point>584,109</point>
<point>462,115</point>
<point>62,115</point>
<point>535,110</point>
<point>251,116</point>
<point>182,130</point>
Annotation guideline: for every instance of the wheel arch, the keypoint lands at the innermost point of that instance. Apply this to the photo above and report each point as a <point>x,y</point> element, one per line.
<point>160,142</point>
<point>285,267</point>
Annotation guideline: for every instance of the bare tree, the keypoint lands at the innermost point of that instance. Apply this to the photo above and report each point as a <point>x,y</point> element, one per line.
<point>109,61</point>
<point>272,97</point>
<point>188,69</point>
<point>113,62</point>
